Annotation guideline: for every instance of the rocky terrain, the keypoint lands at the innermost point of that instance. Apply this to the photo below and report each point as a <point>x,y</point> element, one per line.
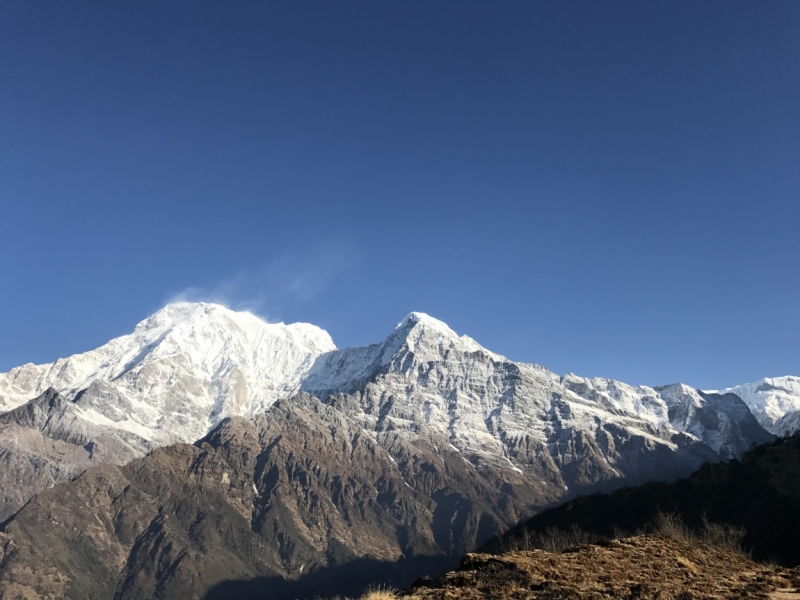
<point>190,366</point>
<point>648,567</point>
<point>290,492</point>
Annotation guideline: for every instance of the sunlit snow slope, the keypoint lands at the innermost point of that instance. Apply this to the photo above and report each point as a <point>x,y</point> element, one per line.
<point>179,373</point>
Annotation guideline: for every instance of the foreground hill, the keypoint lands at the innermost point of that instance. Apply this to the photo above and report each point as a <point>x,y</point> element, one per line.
<point>760,493</point>
<point>190,366</point>
<point>645,567</point>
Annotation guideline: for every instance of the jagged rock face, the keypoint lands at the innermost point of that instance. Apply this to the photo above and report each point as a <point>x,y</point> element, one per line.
<point>297,489</point>
<point>512,418</point>
<point>771,399</point>
<point>722,421</point>
<point>190,365</point>
<point>787,425</point>
<point>45,442</point>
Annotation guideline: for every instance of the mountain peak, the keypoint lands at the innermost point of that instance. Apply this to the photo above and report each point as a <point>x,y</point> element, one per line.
<point>413,319</point>
<point>770,399</point>
<point>176,312</point>
<point>204,318</point>
<point>427,335</point>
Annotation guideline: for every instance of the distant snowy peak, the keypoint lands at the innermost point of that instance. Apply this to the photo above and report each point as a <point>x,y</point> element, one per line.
<point>770,399</point>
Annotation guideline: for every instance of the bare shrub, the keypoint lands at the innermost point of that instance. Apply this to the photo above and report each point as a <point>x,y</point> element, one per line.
<point>618,533</point>
<point>552,540</point>
<point>379,593</point>
<point>670,525</point>
<point>666,524</point>
<point>721,535</point>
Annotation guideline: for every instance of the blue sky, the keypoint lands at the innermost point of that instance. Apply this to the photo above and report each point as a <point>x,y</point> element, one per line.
<point>607,188</point>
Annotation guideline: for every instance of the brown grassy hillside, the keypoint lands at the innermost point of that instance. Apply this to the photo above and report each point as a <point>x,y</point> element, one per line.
<point>646,567</point>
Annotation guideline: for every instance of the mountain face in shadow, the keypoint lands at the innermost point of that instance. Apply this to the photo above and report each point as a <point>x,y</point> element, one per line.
<point>760,493</point>
<point>349,580</point>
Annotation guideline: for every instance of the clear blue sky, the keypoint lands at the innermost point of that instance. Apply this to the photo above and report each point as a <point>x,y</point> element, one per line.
<point>607,188</point>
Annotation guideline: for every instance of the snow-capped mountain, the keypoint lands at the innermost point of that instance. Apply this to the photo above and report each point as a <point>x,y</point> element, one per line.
<point>179,373</point>
<point>523,418</point>
<point>191,365</point>
<point>775,402</point>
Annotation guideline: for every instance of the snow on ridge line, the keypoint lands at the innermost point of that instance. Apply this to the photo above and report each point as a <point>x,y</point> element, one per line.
<point>197,363</point>
<point>182,312</point>
<point>196,356</point>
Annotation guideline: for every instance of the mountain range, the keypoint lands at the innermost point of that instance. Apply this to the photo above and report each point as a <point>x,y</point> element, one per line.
<point>224,448</point>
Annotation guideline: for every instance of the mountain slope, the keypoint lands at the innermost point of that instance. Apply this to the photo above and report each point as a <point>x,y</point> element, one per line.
<point>760,493</point>
<point>45,442</point>
<point>179,373</point>
<point>519,418</point>
<point>293,491</point>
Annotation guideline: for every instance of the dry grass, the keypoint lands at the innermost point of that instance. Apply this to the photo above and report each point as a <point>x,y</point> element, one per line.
<point>372,593</point>
<point>379,593</point>
<point>552,540</point>
<point>645,567</point>
<point>720,535</point>
<point>666,524</point>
